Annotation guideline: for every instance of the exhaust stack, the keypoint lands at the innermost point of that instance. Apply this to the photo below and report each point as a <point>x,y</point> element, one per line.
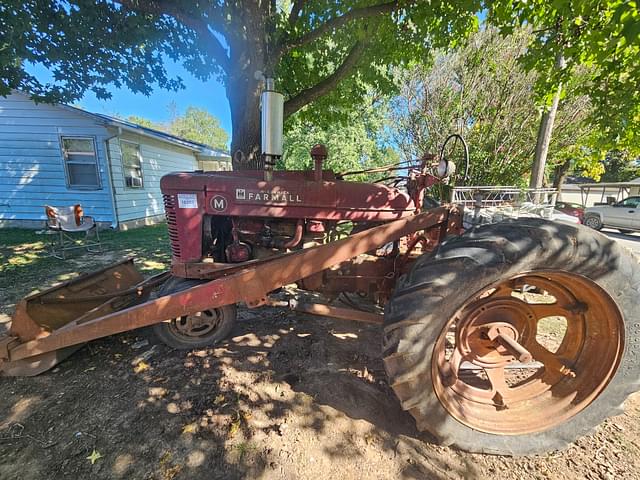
<point>272,115</point>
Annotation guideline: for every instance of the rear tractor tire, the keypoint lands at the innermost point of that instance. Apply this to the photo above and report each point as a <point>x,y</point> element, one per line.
<point>516,338</point>
<point>199,330</point>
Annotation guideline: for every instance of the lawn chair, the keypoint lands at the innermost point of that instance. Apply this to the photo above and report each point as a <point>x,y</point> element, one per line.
<point>67,222</point>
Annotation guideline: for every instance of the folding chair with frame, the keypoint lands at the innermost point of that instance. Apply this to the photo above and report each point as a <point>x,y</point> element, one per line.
<point>67,222</point>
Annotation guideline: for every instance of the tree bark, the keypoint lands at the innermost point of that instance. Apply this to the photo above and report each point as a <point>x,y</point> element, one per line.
<point>244,100</point>
<point>243,92</point>
<point>544,135</point>
<point>560,175</point>
<point>248,45</point>
<point>544,139</point>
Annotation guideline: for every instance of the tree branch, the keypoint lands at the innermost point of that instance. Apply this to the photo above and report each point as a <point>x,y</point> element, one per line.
<point>295,12</point>
<point>327,84</point>
<point>337,22</point>
<point>198,25</point>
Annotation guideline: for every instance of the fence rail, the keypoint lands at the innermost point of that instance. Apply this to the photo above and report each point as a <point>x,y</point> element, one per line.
<point>494,196</point>
<point>491,204</point>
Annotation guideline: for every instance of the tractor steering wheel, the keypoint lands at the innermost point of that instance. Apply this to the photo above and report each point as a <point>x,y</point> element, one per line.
<point>454,160</point>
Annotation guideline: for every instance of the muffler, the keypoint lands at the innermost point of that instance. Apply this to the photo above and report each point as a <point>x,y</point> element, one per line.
<point>272,115</point>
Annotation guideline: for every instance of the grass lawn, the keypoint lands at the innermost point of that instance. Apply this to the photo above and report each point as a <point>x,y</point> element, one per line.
<point>26,266</point>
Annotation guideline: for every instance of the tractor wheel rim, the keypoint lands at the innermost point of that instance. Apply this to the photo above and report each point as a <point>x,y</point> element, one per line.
<point>197,325</point>
<point>528,353</point>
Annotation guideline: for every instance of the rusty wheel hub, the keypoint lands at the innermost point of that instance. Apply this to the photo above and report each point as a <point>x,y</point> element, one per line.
<point>196,325</point>
<point>528,353</point>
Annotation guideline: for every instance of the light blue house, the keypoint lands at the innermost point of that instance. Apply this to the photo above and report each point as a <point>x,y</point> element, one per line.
<point>60,155</point>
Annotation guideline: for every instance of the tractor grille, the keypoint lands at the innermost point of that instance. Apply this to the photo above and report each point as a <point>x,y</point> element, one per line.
<point>170,212</point>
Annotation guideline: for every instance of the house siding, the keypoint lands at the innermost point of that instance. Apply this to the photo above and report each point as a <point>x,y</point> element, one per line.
<point>158,159</point>
<point>32,170</point>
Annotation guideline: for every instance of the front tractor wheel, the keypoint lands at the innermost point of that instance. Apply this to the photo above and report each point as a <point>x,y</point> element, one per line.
<point>517,337</point>
<point>198,330</point>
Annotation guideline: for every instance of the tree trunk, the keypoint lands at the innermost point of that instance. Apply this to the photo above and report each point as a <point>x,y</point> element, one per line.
<point>249,48</point>
<point>244,102</point>
<point>544,139</point>
<point>544,135</point>
<point>256,52</point>
<point>560,175</point>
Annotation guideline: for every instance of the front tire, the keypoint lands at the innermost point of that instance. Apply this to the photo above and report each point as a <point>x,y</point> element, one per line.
<point>480,394</point>
<point>199,330</point>
<point>594,222</point>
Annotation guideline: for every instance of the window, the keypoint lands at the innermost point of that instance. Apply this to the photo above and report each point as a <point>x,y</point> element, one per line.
<point>631,202</point>
<point>80,162</point>
<point>131,164</point>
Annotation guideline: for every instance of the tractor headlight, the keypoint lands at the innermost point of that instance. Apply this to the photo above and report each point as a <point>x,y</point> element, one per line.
<point>446,168</point>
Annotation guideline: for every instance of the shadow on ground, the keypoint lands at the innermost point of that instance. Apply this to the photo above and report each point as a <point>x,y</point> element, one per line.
<point>288,396</point>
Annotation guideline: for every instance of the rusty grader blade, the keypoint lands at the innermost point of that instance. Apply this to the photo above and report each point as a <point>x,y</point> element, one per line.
<point>69,304</point>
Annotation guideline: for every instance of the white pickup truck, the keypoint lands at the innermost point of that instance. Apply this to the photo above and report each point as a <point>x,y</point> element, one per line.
<point>624,215</point>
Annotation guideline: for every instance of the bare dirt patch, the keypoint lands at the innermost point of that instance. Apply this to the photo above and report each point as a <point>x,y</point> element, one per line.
<point>289,396</point>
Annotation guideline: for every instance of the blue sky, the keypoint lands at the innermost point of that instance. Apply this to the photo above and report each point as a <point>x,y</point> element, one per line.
<point>207,95</point>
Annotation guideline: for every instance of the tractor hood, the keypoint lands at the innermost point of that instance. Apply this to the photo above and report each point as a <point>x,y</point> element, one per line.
<point>292,194</point>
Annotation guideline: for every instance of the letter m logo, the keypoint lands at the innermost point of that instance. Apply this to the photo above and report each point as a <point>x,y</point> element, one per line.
<point>219,203</point>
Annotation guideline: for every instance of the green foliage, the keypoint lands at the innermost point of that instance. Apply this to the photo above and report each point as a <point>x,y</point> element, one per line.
<point>200,126</point>
<point>620,167</point>
<point>145,122</point>
<point>400,39</point>
<point>326,55</point>
<point>359,143</point>
<point>577,143</point>
<point>482,91</point>
<point>195,124</point>
<point>87,45</point>
<point>601,36</point>
<point>324,51</point>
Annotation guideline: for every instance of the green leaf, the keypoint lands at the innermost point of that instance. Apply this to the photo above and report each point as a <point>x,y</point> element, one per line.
<point>94,457</point>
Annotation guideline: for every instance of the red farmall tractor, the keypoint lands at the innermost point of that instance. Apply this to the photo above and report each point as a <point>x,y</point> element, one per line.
<point>467,317</point>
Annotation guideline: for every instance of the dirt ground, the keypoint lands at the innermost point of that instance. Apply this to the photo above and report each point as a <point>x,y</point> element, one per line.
<point>289,396</point>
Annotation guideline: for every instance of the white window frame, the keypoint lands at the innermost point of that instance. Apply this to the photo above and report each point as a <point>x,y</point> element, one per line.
<point>124,167</point>
<point>65,160</point>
